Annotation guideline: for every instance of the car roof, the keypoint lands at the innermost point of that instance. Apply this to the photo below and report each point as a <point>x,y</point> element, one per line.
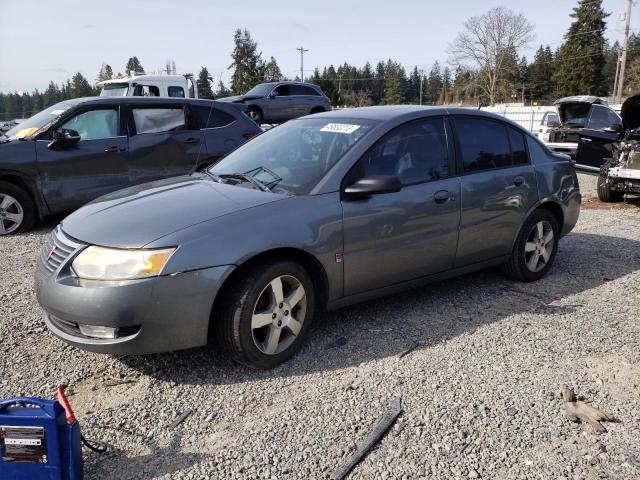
<point>138,100</point>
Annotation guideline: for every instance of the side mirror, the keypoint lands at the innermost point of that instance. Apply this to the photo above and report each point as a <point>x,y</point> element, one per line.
<point>374,185</point>
<point>614,128</point>
<point>64,138</point>
<point>272,95</point>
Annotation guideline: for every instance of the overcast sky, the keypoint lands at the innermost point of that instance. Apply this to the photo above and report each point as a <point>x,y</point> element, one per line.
<point>42,40</point>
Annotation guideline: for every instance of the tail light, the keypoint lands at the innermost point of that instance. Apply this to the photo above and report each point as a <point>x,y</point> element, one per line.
<point>249,136</point>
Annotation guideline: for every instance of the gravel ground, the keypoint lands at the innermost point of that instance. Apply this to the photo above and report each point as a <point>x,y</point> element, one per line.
<point>480,393</point>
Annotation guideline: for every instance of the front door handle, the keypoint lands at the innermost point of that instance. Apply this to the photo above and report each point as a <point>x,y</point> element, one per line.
<point>518,181</point>
<point>192,140</point>
<point>114,148</point>
<point>441,196</point>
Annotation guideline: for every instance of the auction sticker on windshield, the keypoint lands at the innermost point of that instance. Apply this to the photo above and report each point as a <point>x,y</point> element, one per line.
<point>339,128</point>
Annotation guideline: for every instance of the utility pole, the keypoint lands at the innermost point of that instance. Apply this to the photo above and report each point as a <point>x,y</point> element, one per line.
<point>302,50</point>
<point>623,61</point>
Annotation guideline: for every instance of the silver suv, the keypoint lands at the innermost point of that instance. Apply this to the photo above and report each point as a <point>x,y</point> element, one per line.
<point>278,102</point>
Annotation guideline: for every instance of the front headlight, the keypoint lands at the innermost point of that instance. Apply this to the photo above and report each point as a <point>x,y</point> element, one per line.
<point>99,263</point>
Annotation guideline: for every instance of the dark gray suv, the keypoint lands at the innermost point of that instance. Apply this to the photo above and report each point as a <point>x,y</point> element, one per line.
<point>281,101</point>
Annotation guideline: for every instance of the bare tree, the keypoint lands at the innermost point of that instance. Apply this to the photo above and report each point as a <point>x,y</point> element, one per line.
<point>486,44</point>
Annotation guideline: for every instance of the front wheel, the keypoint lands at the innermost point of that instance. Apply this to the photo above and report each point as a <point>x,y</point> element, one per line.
<point>535,248</point>
<point>17,210</point>
<point>266,315</point>
<point>605,194</point>
<point>255,115</point>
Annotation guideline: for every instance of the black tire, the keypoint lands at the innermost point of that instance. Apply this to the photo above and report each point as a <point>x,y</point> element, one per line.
<point>23,204</point>
<point>605,194</point>
<point>256,115</point>
<point>517,266</point>
<point>233,325</point>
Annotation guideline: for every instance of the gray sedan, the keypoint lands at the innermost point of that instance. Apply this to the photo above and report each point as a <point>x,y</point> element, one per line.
<point>315,214</point>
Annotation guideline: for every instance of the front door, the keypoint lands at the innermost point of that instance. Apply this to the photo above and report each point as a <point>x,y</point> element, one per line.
<point>96,165</point>
<point>164,143</point>
<point>279,106</point>
<point>395,237</point>
<point>596,140</point>
<point>499,187</point>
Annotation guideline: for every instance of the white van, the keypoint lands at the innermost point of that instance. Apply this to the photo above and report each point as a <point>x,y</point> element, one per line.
<point>143,85</point>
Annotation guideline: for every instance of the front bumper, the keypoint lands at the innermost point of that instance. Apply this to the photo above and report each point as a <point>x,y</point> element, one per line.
<point>159,314</point>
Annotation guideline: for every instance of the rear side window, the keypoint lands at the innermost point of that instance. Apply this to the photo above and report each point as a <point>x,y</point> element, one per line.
<point>603,117</point>
<point>212,117</point>
<point>484,144</point>
<point>303,90</point>
<point>94,124</point>
<point>176,92</point>
<point>518,150</point>
<point>156,120</point>
<point>415,152</point>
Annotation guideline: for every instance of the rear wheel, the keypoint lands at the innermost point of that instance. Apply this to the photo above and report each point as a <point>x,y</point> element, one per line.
<point>17,210</point>
<point>535,248</point>
<point>605,194</point>
<point>266,315</point>
<point>255,115</point>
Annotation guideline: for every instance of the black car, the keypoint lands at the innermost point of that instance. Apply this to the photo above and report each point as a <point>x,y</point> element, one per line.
<point>599,138</point>
<point>277,102</point>
<point>78,150</point>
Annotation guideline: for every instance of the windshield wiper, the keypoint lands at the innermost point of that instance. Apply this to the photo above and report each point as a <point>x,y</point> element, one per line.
<point>213,176</point>
<point>243,176</point>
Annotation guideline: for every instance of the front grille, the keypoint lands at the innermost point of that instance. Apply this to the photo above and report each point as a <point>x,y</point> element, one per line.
<point>57,250</point>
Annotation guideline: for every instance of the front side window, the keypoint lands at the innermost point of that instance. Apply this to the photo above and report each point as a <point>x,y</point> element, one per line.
<point>282,91</point>
<point>157,120</point>
<point>484,144</point>
<point>176,92</point>
<point>415,152</point>
<point>294,156</point>
<point>94,124</point>
<point>603,117</point>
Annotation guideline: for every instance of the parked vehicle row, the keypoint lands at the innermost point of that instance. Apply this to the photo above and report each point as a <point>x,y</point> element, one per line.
<point>78,150</point>
<point>318,213</point>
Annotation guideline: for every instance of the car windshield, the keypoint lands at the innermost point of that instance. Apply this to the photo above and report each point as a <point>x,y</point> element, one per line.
<point>260,90</point>
<point>295,156</point>
<point>114,90</point>
<point>33,124</point>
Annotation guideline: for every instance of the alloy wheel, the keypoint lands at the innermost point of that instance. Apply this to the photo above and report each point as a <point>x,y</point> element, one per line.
<point>11,214</point>
<point>539,246</point>
<point>253,115</point>
<point>279,314</point>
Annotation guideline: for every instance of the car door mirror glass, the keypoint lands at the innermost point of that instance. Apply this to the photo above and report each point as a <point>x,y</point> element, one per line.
<point>64,138</point>
<point>373,185</point>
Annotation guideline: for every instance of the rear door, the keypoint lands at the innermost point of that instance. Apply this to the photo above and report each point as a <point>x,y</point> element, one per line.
<point>602,131</point>
<point>303,99</point>
<point>499,187</point>
<point>164,142</point>
<point>96,165</point>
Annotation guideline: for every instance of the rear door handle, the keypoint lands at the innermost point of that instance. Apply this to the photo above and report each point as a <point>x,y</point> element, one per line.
<point>585,139</point>
<point>441,196</point>
<point>518,181</point>
<point>192,140</point>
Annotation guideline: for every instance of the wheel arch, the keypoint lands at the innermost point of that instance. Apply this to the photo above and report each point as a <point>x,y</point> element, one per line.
<point>29,186</point>
<point>306,259</point>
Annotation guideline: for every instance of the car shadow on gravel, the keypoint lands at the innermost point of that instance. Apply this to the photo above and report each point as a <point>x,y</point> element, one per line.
<point>419,318</point>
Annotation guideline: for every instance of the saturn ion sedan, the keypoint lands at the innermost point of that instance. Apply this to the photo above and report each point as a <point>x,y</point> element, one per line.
<point>318,213</point>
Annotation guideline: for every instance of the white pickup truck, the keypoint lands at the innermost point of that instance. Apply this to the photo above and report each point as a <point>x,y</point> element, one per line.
<point>143,85</point>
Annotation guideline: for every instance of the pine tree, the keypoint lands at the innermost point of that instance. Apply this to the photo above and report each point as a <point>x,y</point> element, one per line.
<point>79,87</point>
<point>247,63</point>
<point>434,85</point>
<point>581,58</point>
<point>395,84</point>
<point>271,72</point>
<point>541,72</point>
<point>222,91</point>
<point>204,84</point>
<point>133,65</point>
<point>105,73</point>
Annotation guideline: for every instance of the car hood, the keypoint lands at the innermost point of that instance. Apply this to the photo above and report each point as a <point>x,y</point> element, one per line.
<point>238,98</point>
<point>631,113</point>
<point>136,216</point>
<point>577,106</point>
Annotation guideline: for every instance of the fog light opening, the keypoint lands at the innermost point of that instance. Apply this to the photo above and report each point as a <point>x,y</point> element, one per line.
<point>97,331</point>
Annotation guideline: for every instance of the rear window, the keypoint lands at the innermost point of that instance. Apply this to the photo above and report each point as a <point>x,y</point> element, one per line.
<point>156,120</point>
<point>212,117</point>
<point>176,92</point>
